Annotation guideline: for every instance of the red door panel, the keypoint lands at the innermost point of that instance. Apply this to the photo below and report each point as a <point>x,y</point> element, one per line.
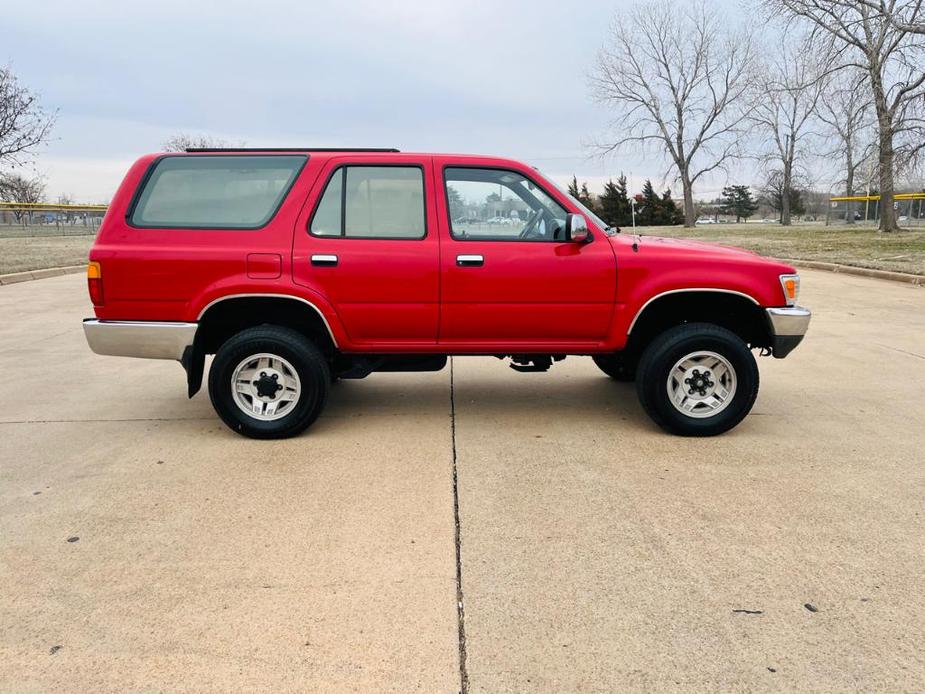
<point>528,291</point>
<point>524,291</point>
<point>384,290</point>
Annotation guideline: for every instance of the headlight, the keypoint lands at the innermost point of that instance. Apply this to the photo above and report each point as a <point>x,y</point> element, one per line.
<point>791,286</point>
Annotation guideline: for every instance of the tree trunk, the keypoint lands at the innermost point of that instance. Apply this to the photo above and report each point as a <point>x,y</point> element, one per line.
<point>849,188</point>
<point>885,143</point>
<point>688,187</point>
<point>887,213</point>
<point>785,195</point>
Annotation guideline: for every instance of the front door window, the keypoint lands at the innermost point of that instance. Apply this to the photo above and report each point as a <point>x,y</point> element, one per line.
<point>501,205</point>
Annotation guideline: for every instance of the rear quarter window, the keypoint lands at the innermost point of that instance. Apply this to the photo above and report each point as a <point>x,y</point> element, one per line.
<point>214,192</point>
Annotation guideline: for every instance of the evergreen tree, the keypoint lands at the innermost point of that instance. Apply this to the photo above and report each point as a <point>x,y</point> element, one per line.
<point>584,195</point>
<point>655,210</point>
<point>614,203</point>
<point>573,188</point>
<point>738,200</point>
<point>670,213</point>
<point>647,210</point>
<point>588,200</point>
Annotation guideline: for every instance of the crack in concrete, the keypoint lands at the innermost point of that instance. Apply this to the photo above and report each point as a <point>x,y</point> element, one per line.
<point>460,605</point>
<point>901,351</point>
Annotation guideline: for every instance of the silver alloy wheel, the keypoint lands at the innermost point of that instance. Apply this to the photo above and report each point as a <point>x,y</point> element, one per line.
<point>701,384</point>
<point>266,387</point>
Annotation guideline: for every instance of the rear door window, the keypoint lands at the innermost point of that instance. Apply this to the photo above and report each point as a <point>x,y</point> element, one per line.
<point>372,202</point>
<point>215,192</point>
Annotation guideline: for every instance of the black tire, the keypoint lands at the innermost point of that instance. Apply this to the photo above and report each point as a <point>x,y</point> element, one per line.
<point>617,366</point>
<point>305,358</point>
<point>660,357</point>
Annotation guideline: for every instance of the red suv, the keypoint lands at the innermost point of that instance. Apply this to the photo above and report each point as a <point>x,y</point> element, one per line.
<point>298,266</point>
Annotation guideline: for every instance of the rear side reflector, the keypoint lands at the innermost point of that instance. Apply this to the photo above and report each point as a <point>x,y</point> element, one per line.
<point>95,283</point>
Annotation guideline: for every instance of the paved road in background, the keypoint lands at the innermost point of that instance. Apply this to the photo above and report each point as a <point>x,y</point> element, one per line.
<point>145,547</point>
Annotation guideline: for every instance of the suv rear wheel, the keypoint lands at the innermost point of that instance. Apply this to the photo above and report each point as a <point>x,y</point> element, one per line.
<point>269,382</point>
<point>697,379</point>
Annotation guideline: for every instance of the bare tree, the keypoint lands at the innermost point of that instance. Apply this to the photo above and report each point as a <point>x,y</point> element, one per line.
<point>774,195</point>
<point>16,188</point>
<point>892,57</point>
<point>24,124</point>
<point>183,141</point>
<point>845,110</point>
<point>787,89</point>
<point>905,16</point>
<point>677,79</point>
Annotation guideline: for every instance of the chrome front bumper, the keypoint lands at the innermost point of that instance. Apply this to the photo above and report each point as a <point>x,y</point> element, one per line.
<point>146,339</point>
<point>787,326</point>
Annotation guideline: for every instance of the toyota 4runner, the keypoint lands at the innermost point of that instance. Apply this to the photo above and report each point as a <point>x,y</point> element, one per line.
<point>299,266</point>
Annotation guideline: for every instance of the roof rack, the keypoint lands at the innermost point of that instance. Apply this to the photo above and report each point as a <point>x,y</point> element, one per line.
<point>292,149</point>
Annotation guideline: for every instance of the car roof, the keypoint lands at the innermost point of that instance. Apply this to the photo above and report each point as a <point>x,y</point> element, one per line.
<point>325,151</point>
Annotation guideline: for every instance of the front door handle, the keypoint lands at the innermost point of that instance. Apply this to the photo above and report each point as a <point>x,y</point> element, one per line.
<point>324,260</point>
<point>470,261</point>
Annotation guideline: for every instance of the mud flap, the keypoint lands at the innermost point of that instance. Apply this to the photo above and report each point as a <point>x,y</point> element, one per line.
<point>193,362</point>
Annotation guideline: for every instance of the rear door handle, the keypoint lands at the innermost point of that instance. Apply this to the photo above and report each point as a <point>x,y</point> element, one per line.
<point>324,260</point>
<point>470,261</point>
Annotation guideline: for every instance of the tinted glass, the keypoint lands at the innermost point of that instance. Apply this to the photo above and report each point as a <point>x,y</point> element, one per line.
<point>372,202</point>
<point>327,219</point>
<point>500,205</point>
<point>215,192</point>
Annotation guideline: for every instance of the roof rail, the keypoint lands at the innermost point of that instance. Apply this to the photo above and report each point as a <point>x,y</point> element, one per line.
<point>292,149</point>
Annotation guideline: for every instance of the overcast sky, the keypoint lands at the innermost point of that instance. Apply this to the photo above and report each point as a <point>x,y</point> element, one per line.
<point>505,78</point>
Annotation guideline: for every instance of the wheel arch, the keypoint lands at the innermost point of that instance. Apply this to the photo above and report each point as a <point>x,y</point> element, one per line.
<point>734,310</point>
<point>229,315</point>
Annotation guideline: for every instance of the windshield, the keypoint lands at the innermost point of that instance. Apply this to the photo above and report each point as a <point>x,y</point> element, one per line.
<point>593,217</point>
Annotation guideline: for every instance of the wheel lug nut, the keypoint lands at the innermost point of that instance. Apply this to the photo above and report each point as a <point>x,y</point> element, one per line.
<point>274,376</point>
<point>279,387</point>
<point>263,374</point>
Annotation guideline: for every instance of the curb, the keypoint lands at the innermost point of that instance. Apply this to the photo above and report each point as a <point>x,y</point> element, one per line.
<point>16,277</point>
<point>915,280</point>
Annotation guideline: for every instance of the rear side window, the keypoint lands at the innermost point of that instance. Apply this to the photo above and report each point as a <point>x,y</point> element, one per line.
<point>215,192</point>
<point>372,202</point>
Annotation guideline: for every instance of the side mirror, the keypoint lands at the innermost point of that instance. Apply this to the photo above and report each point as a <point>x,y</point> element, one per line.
<point>576,228</point>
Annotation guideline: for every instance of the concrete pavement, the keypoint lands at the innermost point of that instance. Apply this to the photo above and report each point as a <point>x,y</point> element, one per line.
<point>596,553</point>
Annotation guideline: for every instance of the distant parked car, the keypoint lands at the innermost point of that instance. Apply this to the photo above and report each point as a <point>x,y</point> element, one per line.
<point>706,220</point>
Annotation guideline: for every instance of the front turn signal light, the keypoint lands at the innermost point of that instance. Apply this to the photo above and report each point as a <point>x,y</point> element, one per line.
<point>95,283</point>
<point>791,287</point>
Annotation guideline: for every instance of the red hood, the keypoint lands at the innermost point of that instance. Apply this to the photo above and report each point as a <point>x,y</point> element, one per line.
<point>699,246</point>
<point>652,264</point>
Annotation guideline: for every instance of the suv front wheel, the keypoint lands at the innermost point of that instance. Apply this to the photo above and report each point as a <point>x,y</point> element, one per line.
<point>269,382</point>
<point>697,379</point>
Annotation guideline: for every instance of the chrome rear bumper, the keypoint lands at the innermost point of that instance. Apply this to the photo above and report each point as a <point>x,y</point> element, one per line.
<point>788,326</point>
<point>146,339</point>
